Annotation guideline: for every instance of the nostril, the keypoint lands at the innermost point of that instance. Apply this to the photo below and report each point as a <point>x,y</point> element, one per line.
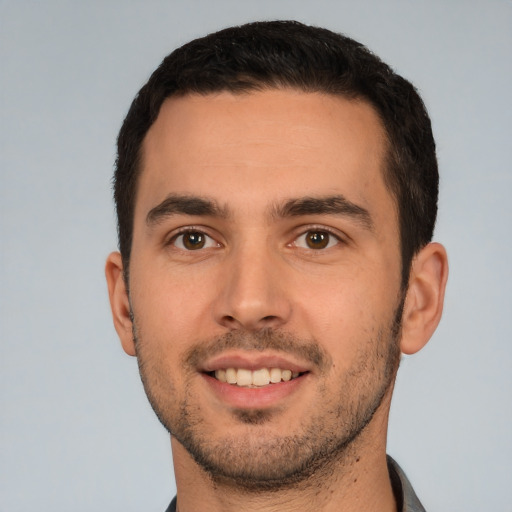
<point>230,321</point>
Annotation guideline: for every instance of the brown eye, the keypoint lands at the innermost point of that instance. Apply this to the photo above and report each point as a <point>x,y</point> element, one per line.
<point>317,239</point>
<point>193,241</point>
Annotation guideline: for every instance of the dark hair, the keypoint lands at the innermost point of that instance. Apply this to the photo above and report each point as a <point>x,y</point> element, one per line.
<point>288,54</point>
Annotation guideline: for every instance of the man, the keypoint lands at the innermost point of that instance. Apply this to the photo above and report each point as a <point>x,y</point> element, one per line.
<point>276,190</point>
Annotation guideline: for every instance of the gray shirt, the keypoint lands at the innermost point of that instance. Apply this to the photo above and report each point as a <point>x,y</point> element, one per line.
<point>406,499</point>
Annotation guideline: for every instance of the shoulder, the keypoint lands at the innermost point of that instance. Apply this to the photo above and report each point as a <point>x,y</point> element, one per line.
<point>172,506</point>
<point>406,498</point>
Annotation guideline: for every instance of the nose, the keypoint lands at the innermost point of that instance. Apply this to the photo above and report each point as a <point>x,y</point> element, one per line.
<point>253,294</point>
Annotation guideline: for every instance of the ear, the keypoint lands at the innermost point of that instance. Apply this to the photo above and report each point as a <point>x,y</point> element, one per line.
<point>425,296</point>
<point>119,302</point>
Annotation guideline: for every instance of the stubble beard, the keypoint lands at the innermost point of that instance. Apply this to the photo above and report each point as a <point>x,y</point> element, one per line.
<point>262,462</point>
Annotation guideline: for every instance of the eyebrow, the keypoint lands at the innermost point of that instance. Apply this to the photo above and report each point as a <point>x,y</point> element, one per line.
<point>326,205</point>
<point>175,204</point>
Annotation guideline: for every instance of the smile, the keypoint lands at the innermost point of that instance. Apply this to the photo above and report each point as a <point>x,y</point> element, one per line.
<point>254,378</point>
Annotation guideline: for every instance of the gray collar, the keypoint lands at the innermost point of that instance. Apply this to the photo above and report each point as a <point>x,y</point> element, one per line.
<point>406,498</point>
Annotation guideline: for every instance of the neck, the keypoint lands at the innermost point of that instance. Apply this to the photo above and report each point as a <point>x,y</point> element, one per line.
<point>358,479</point>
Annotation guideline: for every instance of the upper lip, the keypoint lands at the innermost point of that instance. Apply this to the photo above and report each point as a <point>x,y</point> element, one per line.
<point>251,360</point>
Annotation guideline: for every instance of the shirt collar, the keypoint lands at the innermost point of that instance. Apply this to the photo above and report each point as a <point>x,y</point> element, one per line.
<point>406,498</point>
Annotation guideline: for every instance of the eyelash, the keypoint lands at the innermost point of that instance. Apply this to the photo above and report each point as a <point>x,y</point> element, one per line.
<point>187,231</point>
<point>303,233</point>
<point>319,229</point>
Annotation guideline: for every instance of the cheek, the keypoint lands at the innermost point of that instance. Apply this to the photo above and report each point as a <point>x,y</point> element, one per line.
<point>347,313</point>
<point>169,306</point>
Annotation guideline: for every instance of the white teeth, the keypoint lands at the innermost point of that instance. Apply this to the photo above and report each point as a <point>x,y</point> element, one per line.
<point>257,378</point>
<point>260,377</point>
<point>243,377</point>
<point>231,376</point>
<point>275,375</point>
<point>221,375</point>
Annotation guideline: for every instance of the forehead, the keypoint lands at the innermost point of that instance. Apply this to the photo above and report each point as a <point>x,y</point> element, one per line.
<point>266,144</point>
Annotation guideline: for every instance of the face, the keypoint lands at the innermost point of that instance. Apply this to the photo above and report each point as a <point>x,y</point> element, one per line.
<point>265,280</point>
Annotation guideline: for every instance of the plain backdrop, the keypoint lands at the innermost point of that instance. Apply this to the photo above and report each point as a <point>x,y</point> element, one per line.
<point>76,430</point>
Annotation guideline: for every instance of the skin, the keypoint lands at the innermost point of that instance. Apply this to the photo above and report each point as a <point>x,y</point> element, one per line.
<point>258,294</point>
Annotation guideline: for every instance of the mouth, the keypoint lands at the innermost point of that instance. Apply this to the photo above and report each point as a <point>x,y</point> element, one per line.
<point>245,380</point>
<point>262,377</point>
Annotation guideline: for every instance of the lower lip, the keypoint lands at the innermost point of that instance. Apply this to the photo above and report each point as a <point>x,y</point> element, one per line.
<point>253,398</point>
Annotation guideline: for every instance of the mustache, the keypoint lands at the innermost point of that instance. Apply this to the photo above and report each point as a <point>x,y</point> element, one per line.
<point>265,339</point>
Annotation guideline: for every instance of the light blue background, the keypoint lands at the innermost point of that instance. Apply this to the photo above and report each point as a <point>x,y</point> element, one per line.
<point>76,430</point>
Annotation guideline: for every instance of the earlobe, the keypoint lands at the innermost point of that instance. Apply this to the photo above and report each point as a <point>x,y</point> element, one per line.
<point>119,301</point>
<point>425,296</point>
